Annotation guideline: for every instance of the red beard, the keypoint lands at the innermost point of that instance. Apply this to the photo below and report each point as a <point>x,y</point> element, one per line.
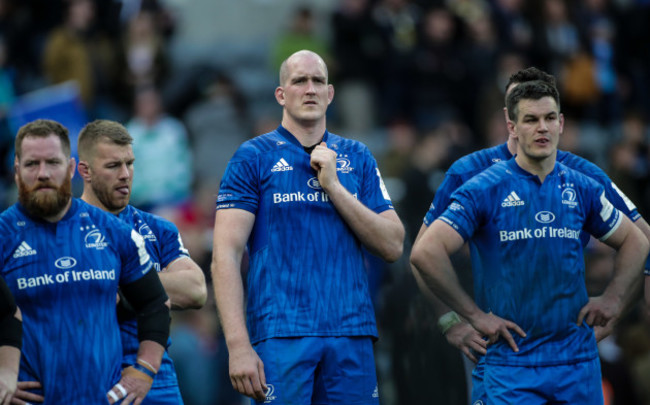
<point>43,205</point>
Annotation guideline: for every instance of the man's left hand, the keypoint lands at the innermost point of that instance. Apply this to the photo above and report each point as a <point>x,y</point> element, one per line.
<point>132,388</point>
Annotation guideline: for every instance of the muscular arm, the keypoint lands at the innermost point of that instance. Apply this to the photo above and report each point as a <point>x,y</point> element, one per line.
<point>151,304</point>
<point>645,228</point>
<point>232,227</point>
<point>9,363</point>
<point>184,283</point>
<point>382,234</point>
<point>632,250</point>
<point>461,335</point>
<point>431,258</point>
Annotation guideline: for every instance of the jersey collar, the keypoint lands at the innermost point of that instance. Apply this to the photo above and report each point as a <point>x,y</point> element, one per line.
<point>293,140</point>
<point>512,164</point>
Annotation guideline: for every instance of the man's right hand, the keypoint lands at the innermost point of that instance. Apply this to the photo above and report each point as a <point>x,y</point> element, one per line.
<point>467,339</point>
<point>22,396</point>
<point>247,372</point>
<point>494,327</point>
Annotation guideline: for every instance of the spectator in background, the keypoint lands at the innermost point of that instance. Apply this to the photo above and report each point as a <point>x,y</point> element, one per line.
<point>145,51</point>
<point>7,98</point>
<point>164,161</point>
<point>557,36</point>
<point>301,34</point>
<point>77,51</point>
<point>514,27</point>
<point>356,49</point>
<point>440,73</point>
<point>217,124</point>
<point>397,21</point>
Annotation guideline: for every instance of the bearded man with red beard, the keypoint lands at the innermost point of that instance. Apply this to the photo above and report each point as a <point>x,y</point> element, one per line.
<point>63,260</point>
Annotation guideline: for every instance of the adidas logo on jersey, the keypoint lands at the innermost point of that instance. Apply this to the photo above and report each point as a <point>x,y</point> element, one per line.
<point>512,200</point>
<point>24,250</point>
<point>281,166</point>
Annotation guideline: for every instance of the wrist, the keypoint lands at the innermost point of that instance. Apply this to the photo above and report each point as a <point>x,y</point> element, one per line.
<point>447,321</point>
<point>145,367</point>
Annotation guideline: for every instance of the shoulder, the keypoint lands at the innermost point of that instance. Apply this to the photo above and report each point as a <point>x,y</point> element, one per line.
<point>581,164</point>
<point>154,222</point>
<point>480,160</point>
<point>348,145</point>
<point>577,177</point>
<point>86,212</point>
<point>260,145</point>
<point>12,217</point>
<point>496,173</point>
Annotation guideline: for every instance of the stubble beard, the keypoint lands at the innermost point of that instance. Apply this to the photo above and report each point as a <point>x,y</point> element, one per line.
<point>103,194</point>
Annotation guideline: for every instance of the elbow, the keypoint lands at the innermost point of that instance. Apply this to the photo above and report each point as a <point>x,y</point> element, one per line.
<point>394,248</point>
<point>418,259</point>
<point>200,297</point>
<point>393,253</point>
<point>199,294</point>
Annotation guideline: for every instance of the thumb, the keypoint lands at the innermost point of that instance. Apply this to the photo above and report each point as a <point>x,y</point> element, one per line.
<point>583,312</point>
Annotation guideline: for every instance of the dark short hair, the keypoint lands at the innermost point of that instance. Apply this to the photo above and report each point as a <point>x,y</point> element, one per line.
<point>534,90</point>
<point>42,128</point>
<point>101,131</point>
<point>528,75</point>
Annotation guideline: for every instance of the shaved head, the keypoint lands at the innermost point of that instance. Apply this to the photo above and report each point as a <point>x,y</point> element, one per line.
<point>286,64</point>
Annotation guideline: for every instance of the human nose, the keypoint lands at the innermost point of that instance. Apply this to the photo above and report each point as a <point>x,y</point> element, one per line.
<point>543,127</point>
<point>124,173</point>
<point>311,88</point>
<point>43,171</point>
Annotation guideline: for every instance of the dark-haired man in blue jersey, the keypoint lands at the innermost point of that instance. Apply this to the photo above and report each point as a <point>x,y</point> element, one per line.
<point>460,333</point>
<point>524,236</point>
<point>304,201</point>
<point>11,341</point>
<point>63,260</point>
<point>106,164</point>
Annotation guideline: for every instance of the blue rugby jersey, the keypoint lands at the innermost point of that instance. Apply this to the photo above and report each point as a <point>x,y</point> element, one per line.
<point>306,275</point>
<point>470,165</point>
<point>525,243</point>
<point>164,245</point>
<point>65,277</point>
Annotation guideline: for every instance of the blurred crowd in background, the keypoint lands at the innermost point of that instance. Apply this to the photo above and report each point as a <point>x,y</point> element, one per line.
<point>421,82</point>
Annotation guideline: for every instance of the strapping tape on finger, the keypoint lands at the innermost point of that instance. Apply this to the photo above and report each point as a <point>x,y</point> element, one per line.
<point>114,396</point>
<point>122,389</point>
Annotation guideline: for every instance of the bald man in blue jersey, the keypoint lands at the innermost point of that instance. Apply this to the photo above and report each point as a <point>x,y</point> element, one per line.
<point>527,260</point>
<point>63,260</point>
<point>304,202</point>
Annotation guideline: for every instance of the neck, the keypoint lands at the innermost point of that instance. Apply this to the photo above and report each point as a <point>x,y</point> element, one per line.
<point>512,145</point>
<point>60,215</point>
<point>539,167</point>
<point>307,134</point>
<point>92,199</point>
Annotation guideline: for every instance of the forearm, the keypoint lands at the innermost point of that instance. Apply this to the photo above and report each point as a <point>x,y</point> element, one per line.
<point>437,305</point>
<point>229,297</point>
<point>382,235</point>
<point>10,358</point>
<point>151,352</point>
<point>628,270</point>
<point>184,283</point>
<point>437,275</point>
